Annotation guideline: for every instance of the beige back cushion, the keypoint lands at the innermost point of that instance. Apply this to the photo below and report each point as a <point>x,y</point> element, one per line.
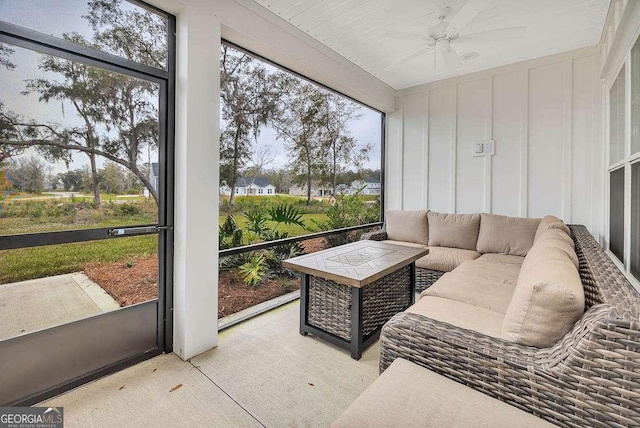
<point>408,226</point>
<point>558,239</point>
<point>453,230</point>
<point>506,235</point>
<point>548,299</point>
<point>551,222</point>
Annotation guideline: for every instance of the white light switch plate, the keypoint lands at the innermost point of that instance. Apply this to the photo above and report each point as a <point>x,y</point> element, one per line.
<point>484,148</point>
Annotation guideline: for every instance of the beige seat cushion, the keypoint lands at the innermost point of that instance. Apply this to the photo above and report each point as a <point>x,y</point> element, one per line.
<point>506,235</point>
<point>459,314</point>
<point>407,395</point>
<point>472,290</point>
<point>501,259</point>
<point>404,243</point>
<point>453,230</point>
<point>551,222</point>
<point>409,226</point>
<point>548,299</point>
<point>446,259</point>
<point>501,272</point>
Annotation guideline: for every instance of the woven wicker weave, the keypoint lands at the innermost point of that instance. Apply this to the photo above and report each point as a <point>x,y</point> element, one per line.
<point>330,303</point>
<point>589,378</point>
<point>424,277</point>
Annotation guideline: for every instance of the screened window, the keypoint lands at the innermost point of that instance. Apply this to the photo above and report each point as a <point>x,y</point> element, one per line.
<point>635,220</point>
<point>616,119</point>
<point>635,98</point>
<point>313,145</point>
<point>616,213</point>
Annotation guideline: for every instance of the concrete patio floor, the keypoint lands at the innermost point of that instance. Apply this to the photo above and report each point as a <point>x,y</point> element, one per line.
<point>33,305</point>
<point>263,373</point>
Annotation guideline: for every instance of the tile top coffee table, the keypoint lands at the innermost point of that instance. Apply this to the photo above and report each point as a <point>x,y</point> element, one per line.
<point>348,292</point>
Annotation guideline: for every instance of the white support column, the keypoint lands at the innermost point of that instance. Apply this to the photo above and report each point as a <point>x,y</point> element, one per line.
<point>195,317</point>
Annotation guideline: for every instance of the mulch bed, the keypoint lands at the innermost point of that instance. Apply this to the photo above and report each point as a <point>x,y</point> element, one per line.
<point>127,282</point>
<point>234,295</point>
<point>313,245</point>
<point>136,281</point>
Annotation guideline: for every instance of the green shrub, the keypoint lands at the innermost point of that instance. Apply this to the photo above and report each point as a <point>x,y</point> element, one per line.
<point>125,209</point>
<point>253,270</point>
<point>229,234</point>
<point>348,210</point>
<point>253,267</point>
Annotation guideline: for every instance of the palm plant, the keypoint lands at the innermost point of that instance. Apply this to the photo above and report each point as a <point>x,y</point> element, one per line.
<point>261,226</point>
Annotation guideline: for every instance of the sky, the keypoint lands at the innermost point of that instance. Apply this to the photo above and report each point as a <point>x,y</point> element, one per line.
<point>56,17</point>
<point>366,130</point>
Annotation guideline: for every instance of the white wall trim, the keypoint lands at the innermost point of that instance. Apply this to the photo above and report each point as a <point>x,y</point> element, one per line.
<point>524,144</point>
<point>453,154</point>
<point>488,160</point>
<point>567,138</point>
<point>394,159</point>
<point>425,151</point>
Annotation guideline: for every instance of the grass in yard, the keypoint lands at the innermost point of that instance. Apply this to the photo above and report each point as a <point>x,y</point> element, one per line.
<point>16,225</point>
<point>88,197</point>
<point>38,262</point>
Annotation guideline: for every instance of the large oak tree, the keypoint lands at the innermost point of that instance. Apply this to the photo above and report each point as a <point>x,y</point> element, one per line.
<point>118,112</point>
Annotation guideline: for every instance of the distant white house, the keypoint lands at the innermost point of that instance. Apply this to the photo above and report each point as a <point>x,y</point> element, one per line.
<point>369,186</point>
<point>255,186</point>
<point>316,190</point>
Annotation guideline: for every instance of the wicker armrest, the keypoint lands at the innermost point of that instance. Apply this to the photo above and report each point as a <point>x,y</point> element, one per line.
<point>376,235</point>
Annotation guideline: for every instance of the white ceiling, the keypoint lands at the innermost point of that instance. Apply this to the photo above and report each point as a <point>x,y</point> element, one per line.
<point>359,30</point>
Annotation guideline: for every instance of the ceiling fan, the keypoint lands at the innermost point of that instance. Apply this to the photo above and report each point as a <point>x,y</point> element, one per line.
<point>444,34</point>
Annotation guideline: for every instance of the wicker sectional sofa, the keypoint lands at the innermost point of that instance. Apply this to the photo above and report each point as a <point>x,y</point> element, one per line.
<point>586,372</point>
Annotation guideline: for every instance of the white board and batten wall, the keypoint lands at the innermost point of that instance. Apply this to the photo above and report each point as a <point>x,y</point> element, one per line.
<point>545,116</point>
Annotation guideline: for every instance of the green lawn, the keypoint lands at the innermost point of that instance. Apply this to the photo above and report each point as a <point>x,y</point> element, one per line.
<point>38,262</point>
<point>17,225</point>
<point>89,197</point>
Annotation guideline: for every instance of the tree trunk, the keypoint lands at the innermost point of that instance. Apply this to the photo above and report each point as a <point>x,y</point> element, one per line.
<point>234,173</point>
<point>308,186</point>
<point>95,180</point>
<point>334,173</point>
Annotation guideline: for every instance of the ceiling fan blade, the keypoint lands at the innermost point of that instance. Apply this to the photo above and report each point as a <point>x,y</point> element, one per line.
<point>401,35</point>
<point>450,58</point>
<point>407,58</point>
<point>494,35</point>
<point>465,15</point>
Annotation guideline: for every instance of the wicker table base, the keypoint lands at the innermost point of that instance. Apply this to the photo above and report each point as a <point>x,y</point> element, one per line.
<point>352,317</point>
